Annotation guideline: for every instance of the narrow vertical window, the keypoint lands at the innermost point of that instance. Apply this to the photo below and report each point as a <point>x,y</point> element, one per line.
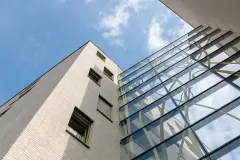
<point>79,126</point>
<point>105,108</point>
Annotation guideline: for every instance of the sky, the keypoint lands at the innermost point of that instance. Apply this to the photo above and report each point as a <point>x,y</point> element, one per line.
<point>35,35</point>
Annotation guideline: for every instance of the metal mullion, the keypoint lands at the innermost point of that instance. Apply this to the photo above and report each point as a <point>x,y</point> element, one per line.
<point>211,55</point>
<point>213,33</point>
<point>196,29</point>
<point>185,129</point>
<point>188,55</point>
<point>201,95</point>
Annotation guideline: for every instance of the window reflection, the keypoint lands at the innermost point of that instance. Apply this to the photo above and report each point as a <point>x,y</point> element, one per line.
<point>148,114</point>
<point>211,103</point>
<point>223,128</point>
<point>183,146</point>
<point>188,92</point>
<point>156,132</point>
<point>194,72</point>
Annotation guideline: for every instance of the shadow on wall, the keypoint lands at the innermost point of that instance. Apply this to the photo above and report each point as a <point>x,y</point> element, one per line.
<point>104,138</point>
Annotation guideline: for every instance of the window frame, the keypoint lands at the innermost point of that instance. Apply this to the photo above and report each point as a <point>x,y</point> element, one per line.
<point>88,130</point>
<point>109,104</point>
<point>101,56</point>
<point>94,73</point>
<point>108,73</point>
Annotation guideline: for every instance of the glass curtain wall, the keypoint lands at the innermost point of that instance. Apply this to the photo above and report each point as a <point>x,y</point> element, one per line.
<point>183,102</point>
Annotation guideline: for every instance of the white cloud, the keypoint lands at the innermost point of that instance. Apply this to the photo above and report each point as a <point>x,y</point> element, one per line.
<point>155,36</point>
<point>182,29</point>
<point>112,24</point>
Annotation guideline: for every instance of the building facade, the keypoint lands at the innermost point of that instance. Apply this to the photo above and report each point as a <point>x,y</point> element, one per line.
<point>183,102</point>
<point>215,13</point>
<point>71,112</point>
<point>180,103</point>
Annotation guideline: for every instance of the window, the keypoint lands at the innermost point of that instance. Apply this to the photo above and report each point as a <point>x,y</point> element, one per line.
<point>94,76</point>
<point>102,57</point>
<point>108,73</point>
<point>104,107</point>
<point>79,126</point>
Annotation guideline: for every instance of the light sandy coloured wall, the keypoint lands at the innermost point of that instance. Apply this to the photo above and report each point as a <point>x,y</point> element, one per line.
<point>45,137</point>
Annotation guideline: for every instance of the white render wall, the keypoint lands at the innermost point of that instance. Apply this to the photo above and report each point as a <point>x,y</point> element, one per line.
<point>222,14</point>
<point>45,137</point>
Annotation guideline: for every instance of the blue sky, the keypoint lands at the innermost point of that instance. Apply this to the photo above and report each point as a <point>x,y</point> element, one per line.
<point>35,35</point>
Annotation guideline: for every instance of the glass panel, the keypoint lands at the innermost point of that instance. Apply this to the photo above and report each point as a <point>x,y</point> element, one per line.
<point>229,152</point>
<point>146,99</point>
<point>136,74</point>
<point>168,63</point>
<point>183,146</point>
<point>227,70</point>
<point>147,156</point>
<point>223,125</point>
<point>147,115</point>
<point>160,52</point>
<point>185,76</point>
<point>191,34</point>
<point>176,68</point>
<point>136,92</point>
<point>143,101</point>
<point>233,155</point>
<point>184,39</point>
<point>136,82</point>
<point>165,57</point>
<point>211,103</point>
<point>130,70</point>
<point>188,92</point>
<point>157,131</point>
<point>237,82</point>
<point>210,49</point>
<point>198,38</point>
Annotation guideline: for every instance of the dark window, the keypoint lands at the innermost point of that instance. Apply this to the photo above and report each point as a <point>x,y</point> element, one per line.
<point>108,73</point>
<point>102,57</point>
<point>79,126</point>
<point>94,76</point>
<point>104,107</point>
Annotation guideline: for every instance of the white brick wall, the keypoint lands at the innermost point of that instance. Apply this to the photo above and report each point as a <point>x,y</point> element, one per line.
<point>45,137</point>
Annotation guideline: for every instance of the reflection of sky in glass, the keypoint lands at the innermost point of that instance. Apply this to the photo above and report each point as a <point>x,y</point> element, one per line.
<point>237,81</point>
<point>197,88</point>
<point>233,155</point>
<point>214,100</point>
<point>221,130</point>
